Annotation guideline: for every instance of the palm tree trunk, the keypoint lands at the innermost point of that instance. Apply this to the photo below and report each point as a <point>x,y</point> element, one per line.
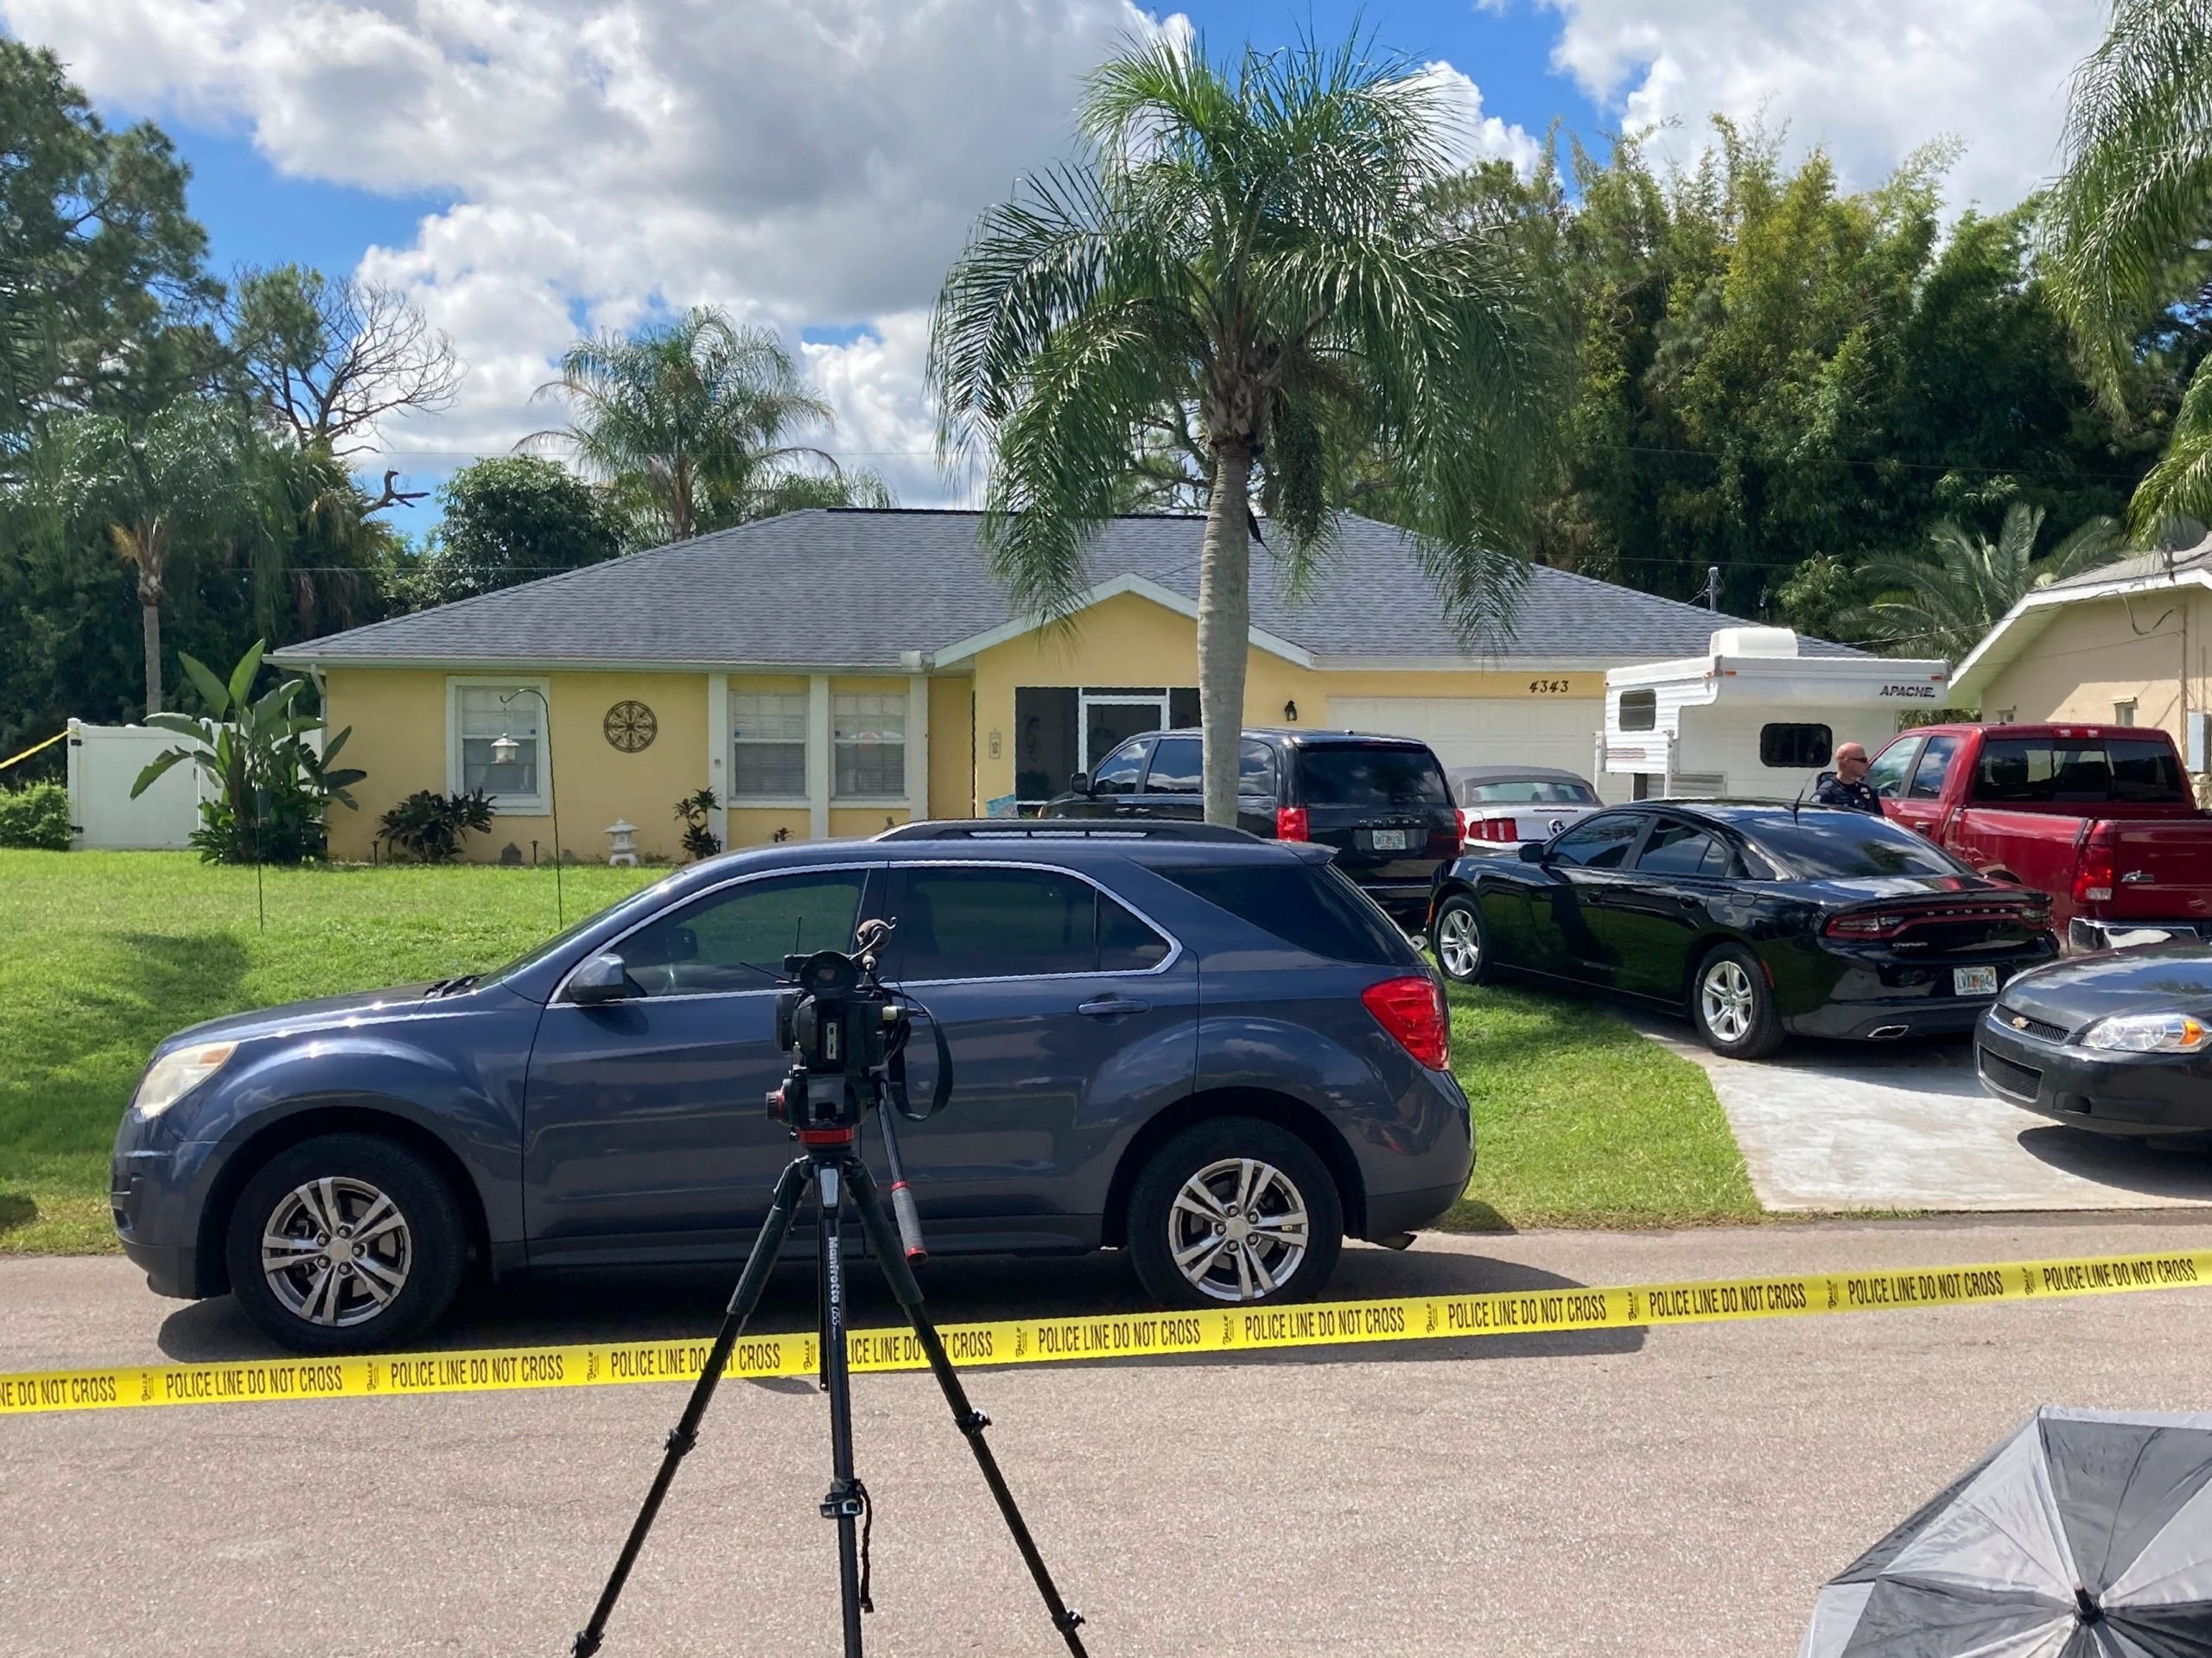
<point>1225,627</point>
<point>150,617</point>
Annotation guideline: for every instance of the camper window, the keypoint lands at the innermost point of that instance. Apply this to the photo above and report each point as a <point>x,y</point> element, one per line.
<point>1795,747</point>
<point>1639,710</point>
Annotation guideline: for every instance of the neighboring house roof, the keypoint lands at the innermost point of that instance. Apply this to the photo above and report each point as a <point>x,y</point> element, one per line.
<point>2019,629</point>
<point>837,587</point>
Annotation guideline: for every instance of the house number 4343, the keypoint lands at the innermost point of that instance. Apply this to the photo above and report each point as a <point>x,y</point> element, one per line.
<point>1547,688</point>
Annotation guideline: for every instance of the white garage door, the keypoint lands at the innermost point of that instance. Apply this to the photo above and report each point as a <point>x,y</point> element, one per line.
<point>1560,731</point>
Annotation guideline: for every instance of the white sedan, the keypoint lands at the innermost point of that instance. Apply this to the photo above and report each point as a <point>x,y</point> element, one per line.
<point>1501,806</point>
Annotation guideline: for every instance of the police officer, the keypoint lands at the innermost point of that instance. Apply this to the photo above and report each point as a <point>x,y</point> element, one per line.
<point>1845,786</point>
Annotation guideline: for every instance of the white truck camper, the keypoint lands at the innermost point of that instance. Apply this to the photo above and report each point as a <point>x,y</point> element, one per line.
<point>1753,719</point>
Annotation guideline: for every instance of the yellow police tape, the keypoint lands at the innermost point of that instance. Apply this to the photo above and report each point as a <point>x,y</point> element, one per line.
<point>1034,1341</point>
<point>32,750</point>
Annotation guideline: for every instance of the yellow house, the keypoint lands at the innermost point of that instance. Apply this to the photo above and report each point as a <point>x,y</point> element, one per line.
<point>830,672</point>
<point>2127,645</point>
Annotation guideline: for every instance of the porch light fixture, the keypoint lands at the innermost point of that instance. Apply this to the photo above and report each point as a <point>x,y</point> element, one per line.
<point>1289,714</point>
<point>504,751</point>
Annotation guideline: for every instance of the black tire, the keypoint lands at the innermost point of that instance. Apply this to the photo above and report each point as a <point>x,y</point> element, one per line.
<point>1457,927</point>
<point>327,1304</point>
<point>1297,1175</point>
<point>1731,1004</point>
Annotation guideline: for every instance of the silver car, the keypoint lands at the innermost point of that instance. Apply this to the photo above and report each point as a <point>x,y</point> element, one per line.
<point>1501,806</point>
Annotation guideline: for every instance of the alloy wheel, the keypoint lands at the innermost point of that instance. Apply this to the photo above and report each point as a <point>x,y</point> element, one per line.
<point>1458,942</point>
<point>336,1251</point>
<point>1725,998</point>
<point>1238,1230</point>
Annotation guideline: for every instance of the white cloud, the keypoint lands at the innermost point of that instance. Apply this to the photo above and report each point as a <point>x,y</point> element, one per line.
<point>1869,80</point>
<point>1477,137</point>
<point>802,162</point>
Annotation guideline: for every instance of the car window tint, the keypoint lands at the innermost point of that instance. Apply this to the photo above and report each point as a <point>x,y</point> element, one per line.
<point>984,923</point>
<point>1256,771</point>
<point>1886,777</point>
<point>1176,767</point>
<point>2144,771</point>
<point>1118,773</point>
<point>1681,849</point>
<point>1601,843</point>
<point>736,939</point>
<point>1371,777</point>
<point>1125,943</point>
<point>2076,771</point>
<point>1935,761</point>
<point>1819,845</point>
<point>1316,908</point>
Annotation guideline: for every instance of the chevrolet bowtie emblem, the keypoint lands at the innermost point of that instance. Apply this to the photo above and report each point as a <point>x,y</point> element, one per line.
<point>2019,1021</point>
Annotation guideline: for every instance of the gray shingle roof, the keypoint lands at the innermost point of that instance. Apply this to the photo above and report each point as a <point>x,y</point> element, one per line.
<point>832,588</point>
<point>2138,567</point>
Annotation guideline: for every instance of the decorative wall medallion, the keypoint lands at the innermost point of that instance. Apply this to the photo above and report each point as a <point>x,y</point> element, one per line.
<point>629,728</point>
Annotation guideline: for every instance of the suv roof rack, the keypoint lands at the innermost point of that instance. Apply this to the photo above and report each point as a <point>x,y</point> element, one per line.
<point>1066,828</point>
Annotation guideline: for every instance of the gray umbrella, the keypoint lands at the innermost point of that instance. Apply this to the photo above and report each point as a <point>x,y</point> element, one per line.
<point>2087,1534</point>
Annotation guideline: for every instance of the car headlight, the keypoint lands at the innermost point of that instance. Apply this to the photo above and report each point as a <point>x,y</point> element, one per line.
<point>2148,1033</point>
<point>176,1073</point>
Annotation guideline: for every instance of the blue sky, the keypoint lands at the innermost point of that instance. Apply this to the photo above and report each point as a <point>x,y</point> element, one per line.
<point>527,169</point>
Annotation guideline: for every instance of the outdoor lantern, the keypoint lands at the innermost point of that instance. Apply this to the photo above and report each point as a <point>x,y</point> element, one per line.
<point>504,750</point>
<point>1290,713</point>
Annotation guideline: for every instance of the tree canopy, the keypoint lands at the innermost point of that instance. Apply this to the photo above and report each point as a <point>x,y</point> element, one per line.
<point>1246,245</point>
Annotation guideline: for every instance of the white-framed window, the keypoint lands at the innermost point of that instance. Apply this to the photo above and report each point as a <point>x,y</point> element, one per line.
<point>868,739</point>
<point>479,713</point>
<point>2123,713</point>
<point>767,741</point>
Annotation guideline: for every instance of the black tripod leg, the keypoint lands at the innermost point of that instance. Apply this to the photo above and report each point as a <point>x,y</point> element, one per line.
<point>884,1240</point>
<point>750,1284</point>
<point>847,1501</point>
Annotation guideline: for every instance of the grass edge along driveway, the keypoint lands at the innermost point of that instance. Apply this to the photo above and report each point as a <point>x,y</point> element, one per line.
<point>1581,1121</point>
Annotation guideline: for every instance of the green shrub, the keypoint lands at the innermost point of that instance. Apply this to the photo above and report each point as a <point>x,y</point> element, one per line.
<point>428,826</point>
<point>36,817</point>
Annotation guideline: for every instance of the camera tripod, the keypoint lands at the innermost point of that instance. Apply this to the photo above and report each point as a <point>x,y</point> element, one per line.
<point>831,1165</point>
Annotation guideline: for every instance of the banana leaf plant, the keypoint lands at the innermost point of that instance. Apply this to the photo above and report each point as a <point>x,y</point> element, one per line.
<point>271,786</point>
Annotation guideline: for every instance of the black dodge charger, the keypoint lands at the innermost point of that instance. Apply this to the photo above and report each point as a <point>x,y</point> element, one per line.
<point>1757,918</point>
<point>2118,1043</point>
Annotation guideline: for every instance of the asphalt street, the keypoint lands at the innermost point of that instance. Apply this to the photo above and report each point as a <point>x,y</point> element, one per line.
<point>1682,1491</point>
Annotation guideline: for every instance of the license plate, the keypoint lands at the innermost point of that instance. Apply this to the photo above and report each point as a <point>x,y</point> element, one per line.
<point>1973,980</point>
<point>1387,840</point>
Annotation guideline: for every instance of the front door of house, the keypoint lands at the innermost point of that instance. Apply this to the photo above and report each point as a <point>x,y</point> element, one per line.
<point>1110,718</point>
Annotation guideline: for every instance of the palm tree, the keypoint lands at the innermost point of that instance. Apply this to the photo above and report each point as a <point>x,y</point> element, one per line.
<point>1248,246</point>
<point>688,427</point>
<point>1946,606</point>
<point>173,478</point>
<point>2131,211</point>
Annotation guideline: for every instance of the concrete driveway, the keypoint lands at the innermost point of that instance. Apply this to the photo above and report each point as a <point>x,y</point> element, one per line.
<point>1640,1494</point>
<point>1831,1126</point>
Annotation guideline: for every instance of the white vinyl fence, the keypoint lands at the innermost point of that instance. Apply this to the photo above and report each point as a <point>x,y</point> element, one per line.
<point>104,762</point>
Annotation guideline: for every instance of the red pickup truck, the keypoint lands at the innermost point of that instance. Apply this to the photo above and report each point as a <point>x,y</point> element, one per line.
<point>2100,818</point>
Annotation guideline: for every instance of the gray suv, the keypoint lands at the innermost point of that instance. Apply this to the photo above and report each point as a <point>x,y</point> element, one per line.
<point>1211,1052</point>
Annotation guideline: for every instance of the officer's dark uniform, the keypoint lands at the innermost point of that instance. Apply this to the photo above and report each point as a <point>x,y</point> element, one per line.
<point>1852,796</point>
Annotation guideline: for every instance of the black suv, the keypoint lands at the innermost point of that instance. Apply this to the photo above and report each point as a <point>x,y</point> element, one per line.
<point>1379,802</point>
<point>1171,1040</point>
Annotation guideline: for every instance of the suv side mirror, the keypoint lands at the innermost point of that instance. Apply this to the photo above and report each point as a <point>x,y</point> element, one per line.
<point>1079,783</point>
<point>599,982</point>
<point>1532,852</point>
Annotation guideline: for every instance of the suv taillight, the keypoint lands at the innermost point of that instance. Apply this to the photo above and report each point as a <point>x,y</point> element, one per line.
<point>1412,1009</point>
<point>1291,824</point>
<point>2093,876</point>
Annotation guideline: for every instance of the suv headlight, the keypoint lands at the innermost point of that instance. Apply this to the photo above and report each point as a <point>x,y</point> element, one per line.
<point>176,1073</point>
<point>2148,1033</point>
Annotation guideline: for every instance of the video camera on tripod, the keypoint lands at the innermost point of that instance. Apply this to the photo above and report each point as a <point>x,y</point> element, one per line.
<point>846,1033</point>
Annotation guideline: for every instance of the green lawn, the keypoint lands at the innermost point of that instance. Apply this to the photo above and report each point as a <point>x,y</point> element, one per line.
<point>1582,1121</point>
<point>102,954</point>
